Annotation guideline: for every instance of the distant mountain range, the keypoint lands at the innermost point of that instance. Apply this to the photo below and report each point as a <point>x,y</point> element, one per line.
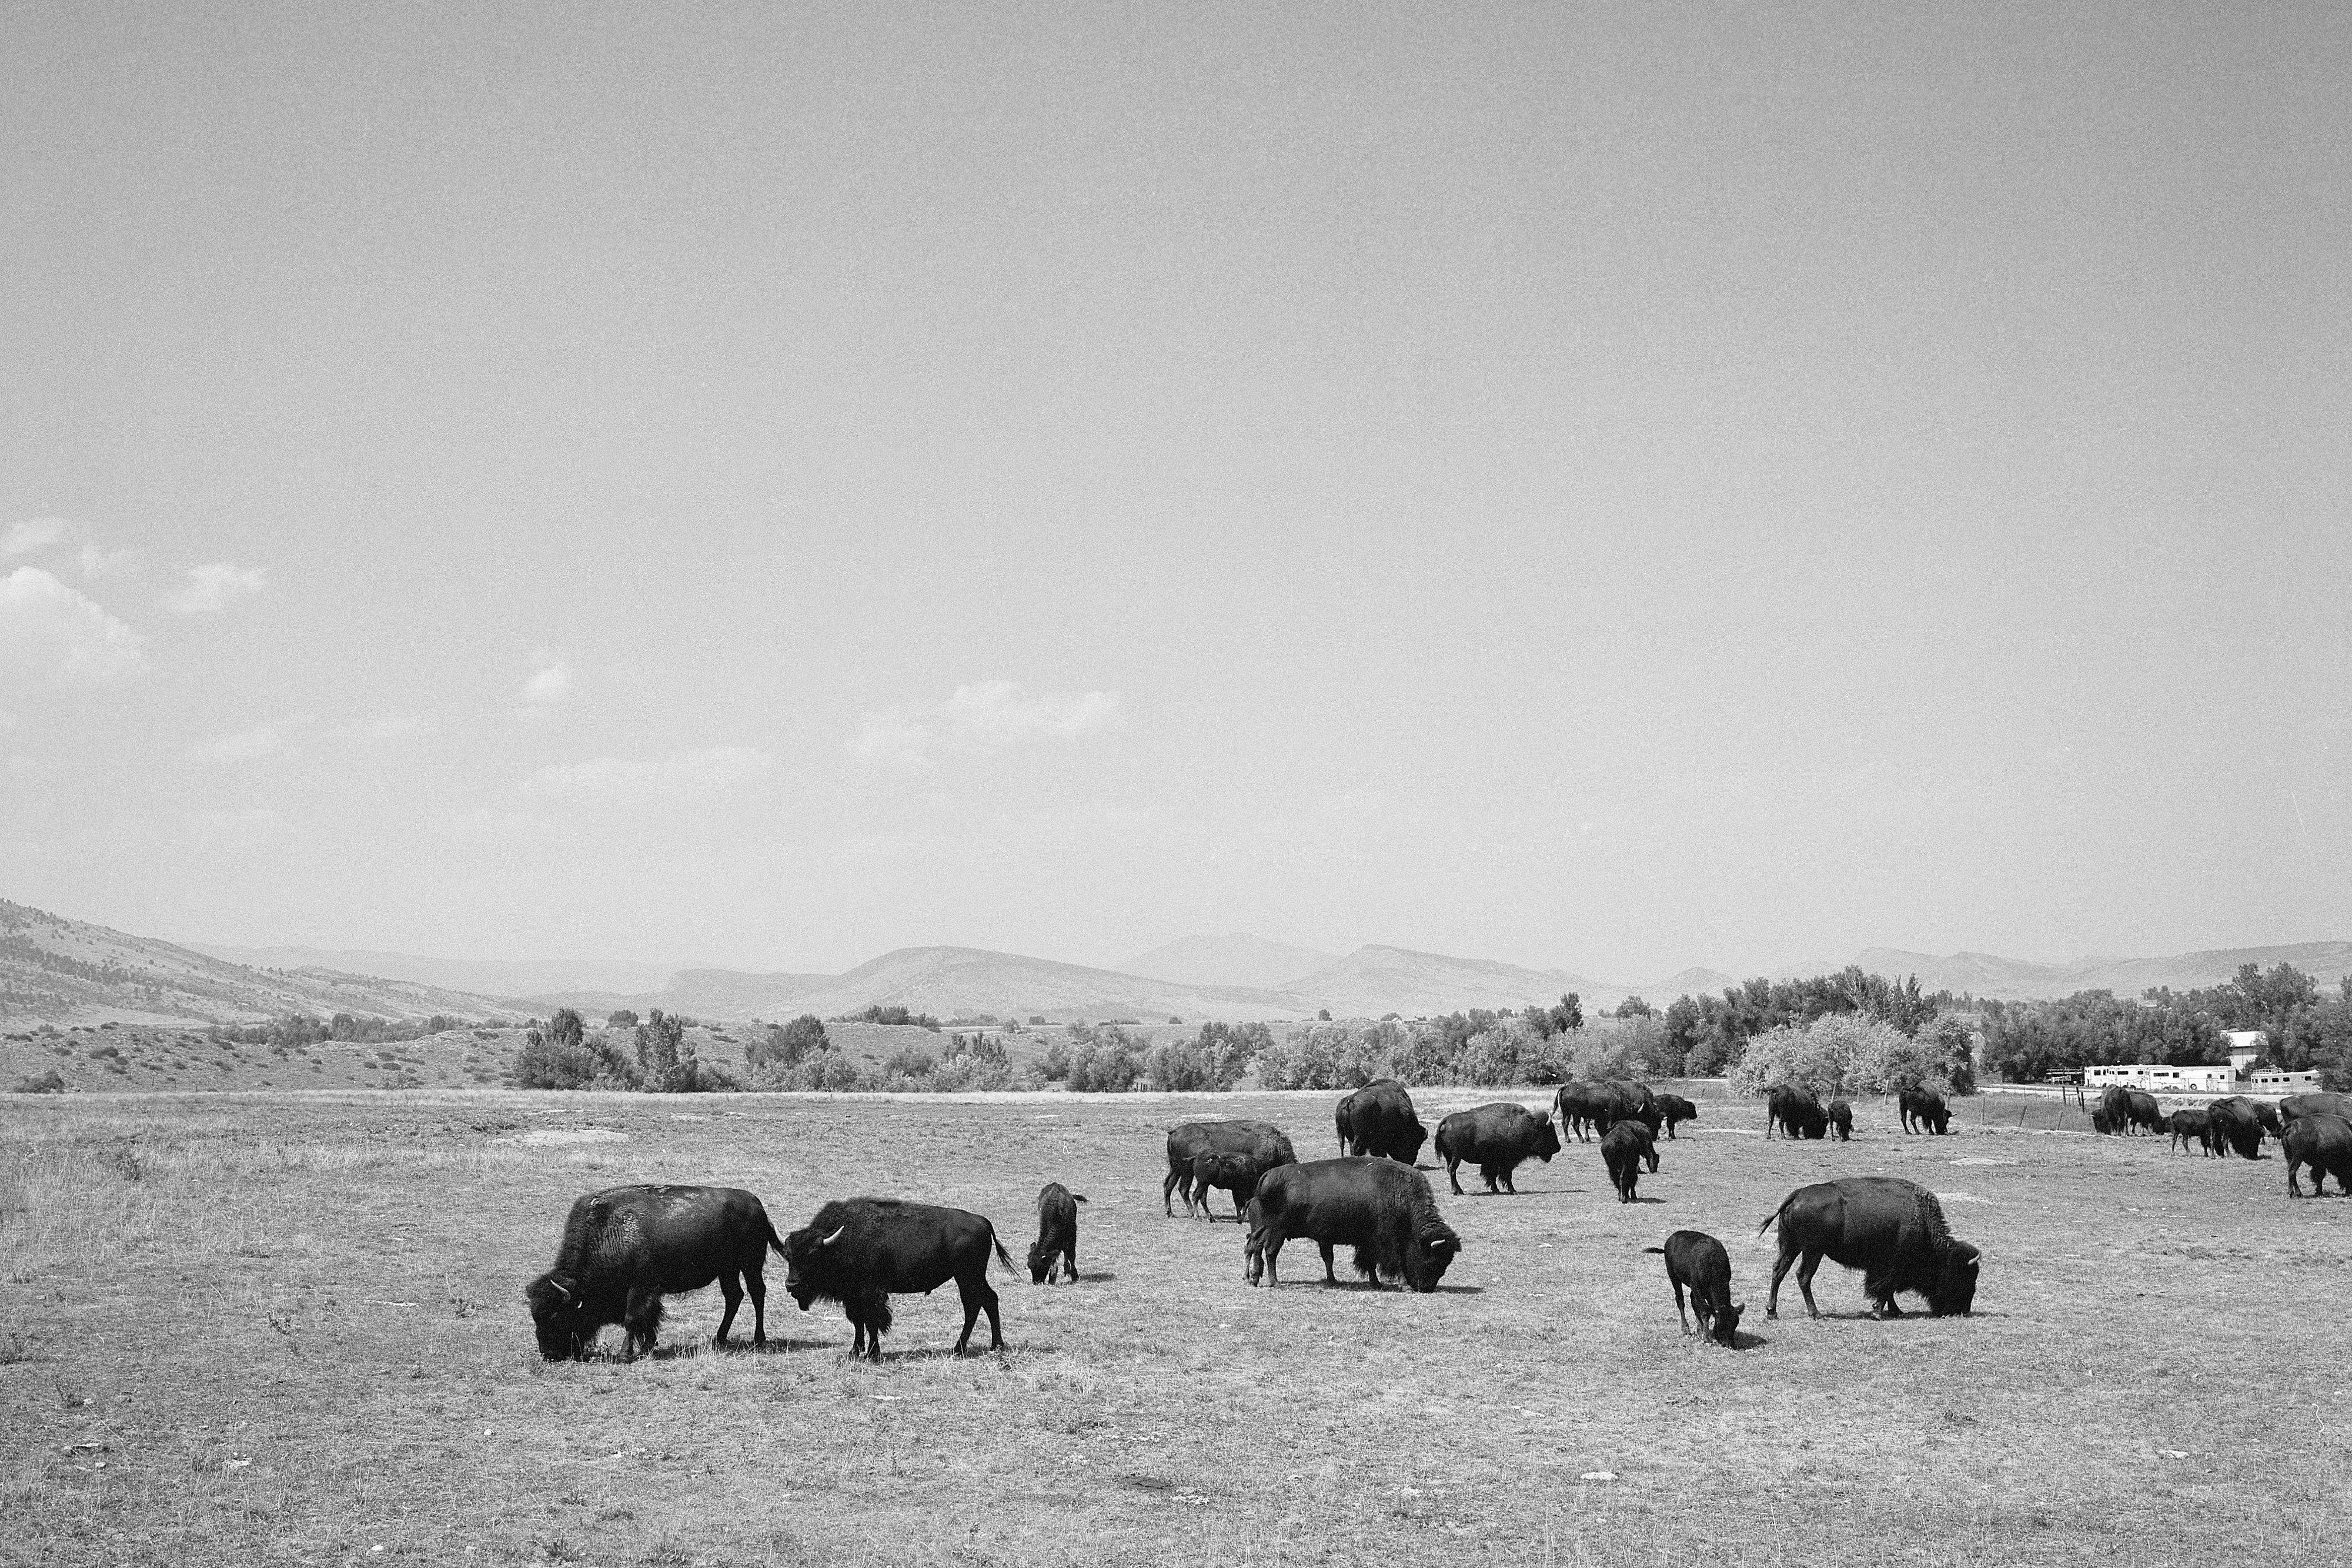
<point>55,968</point>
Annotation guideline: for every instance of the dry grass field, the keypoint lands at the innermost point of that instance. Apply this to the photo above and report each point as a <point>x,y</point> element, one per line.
<point>280,1328</point>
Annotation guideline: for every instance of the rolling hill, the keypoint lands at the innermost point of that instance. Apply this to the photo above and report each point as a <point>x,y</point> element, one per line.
<point>1374,979</point>
<point>520,978</point>
<point>1237,959</point>
<point>1989,975</point>
<point>55,968</point>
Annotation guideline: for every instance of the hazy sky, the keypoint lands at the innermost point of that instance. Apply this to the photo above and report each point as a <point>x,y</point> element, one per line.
<point>1617,487</point>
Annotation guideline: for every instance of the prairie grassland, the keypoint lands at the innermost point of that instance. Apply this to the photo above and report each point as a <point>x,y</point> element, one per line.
<point>273,1329</point>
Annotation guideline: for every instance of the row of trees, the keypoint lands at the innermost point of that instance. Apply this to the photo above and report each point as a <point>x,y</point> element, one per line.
<point>302,1028</point>
<point>561,1054</point>
<point>2304,1027</point>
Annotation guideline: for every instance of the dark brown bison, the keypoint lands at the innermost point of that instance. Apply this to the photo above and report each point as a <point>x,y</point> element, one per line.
<point>1840,1115</point>
<point>1057,1234</point>
<point>1796,1112</point>
<point>1923,1111</point>
<point>860,1251</point>
<point>1378,1120</point>
<point>2325,1143</point>
<point>1674,1110</point>
<point>2190,1126</point>
<point>1265,1145</point>
<point>1624,1148</point>
<point>2113,1115</point>
<point>2321,1102</point>
<point>1495,1138</point>
<point>627,1247</point>
<point>1382,1209</point>
<point>1696,1262</point>
<point>1599,1106</point>
<point>2239,1124</point>
<point>1890,1228</point>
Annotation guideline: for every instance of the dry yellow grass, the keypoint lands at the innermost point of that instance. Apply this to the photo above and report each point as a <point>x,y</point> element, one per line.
<point>286,1329</point>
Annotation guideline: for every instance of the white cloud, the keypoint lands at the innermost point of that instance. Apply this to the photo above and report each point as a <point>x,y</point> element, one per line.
<point>97,563</point>
<point>215,587</point>
<point>48,624</point>
<point>32,534</point>
<point>551,681</point>
<point>244,745</point>
<point>681,776</point>
<point>391,727</point>
<point>986,716</point>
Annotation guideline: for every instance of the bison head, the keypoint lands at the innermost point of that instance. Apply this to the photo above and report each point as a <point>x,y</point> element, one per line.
<point>562,1318</point>
<point>1041,1261</point>
<point>1433,1250</point>
<point>1547,1139</point>
<point>809,1264</point>
<point>1956,1281</point>
<point>1413,1139</point>
<point>1725,1329</point>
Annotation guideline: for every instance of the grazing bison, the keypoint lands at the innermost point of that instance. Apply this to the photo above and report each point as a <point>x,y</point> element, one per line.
<point>627,1247</point>
<point>1263,1143</point>
<point>860,1250</point>
<point>2115,1108</point>
<point>1378,1120</point>
<point>1495,1138</point>
<point>2325,1143</point>
<point>2240,1123</point>
<point>1840,1115</point>
<point>1673,1109</point>
<point>1233,1174</point>
<point>2191,1125</point>
<point>1057,1234</point>
<point>1796,1112</point>
<point>1382,1209</point>
<point>1923,1111</point>
<point>1622,1149</point>
<point>2322,1103</point>
<point>1599,1106</point>
<point>1696,1262</point>
<point>2144,1113</point>
<point>2101,1122</point>
<point>1890,1228</point>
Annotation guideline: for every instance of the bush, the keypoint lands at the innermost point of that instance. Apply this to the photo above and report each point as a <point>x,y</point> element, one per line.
<point>1841,1055</point>
<point>559,1056</point>
<point>50,1083</point>
<point>621,1018</point>
<point>1214,1060</point>
<point>788,1045</point>
<point>880,1014</point>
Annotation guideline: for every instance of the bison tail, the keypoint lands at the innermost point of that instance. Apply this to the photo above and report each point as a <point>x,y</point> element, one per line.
<point>1662,1251</point>
<point>1777,1212</point>
<point>774,1240</point>
<point>1078,1197</point>
<point>1001,1256</point>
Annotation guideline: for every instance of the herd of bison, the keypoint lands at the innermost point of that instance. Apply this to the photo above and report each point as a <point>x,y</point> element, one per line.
<point>624,1249</point>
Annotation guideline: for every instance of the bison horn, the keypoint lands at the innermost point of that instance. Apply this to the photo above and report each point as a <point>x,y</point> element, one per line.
<point>560,1289</point>
<point>834,1236</point>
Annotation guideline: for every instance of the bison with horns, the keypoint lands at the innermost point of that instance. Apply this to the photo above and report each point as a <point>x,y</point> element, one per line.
<point>1382,1209</point>
<point>860,1250</point>
<point>1891,1229</point>
<point>626,1247</point>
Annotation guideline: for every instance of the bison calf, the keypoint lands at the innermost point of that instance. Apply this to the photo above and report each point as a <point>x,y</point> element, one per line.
<point>1057,1234</point>
<point>1840,1115</point>
<point>626,1247</point>
<point>1622,1149</point>
<point>1696,1262</point>
<point>1674,1110</point>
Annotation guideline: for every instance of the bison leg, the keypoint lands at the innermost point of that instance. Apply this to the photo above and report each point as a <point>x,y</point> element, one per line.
<point>977,1295</point>
<point>1678,1307</point>
<point>1779,1273</point>
<point>1268,1247</point>
<point>1329,1277</point>
<point>1805,1281</point>
<point>1510,1181</point>
<point>732,1290</point>
<point>1168,1193</point>
<point>2291,1189</point>
<point>1454,1173</point>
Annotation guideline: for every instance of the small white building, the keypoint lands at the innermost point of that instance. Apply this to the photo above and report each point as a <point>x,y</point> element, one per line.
<point>2276,1083</point>
<point>2246,1047</point>
<point>2160,1079</point>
